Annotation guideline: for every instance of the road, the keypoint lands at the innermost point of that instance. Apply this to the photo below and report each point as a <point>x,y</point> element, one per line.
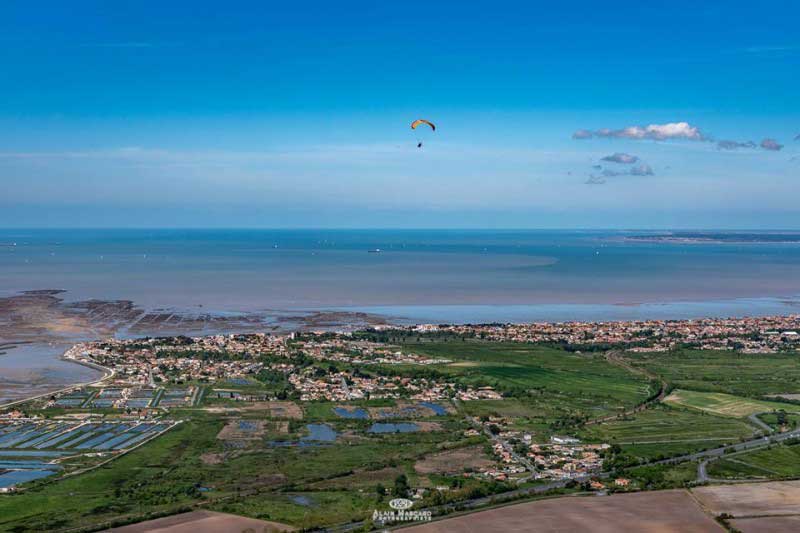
<point>539,489</point>
<point>504,443</point>
<point>477,502</point>
<point>345,388</point>
<point>741,446</point>
<point>760,423</point>
<point>196,396</point>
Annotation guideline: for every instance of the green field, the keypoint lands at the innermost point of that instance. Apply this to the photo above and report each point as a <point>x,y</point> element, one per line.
<point>773,420</point>
<point>725,404</point>
<point>545,391</point>
<point>551,382</point>
<point>156,477</point>
<point>751,375</point>
<point>664,431</point>
<point>166,475</point>
<point>654,477</point>
<point>779,461</point>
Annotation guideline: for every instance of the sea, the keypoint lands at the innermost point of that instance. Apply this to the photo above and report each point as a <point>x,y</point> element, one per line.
<point>405,276</point>
<point>409,275</point>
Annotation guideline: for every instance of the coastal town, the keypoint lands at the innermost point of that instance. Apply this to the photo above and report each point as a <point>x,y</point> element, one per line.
<point>155,375</point>
<point>181,360</point>
<point>770,334</point>
<point>334,366</point>
<point>458,403</point>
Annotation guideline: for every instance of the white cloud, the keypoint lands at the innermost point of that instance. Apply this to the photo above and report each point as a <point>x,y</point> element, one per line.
<point>674,130</point>
<point>658,132</point>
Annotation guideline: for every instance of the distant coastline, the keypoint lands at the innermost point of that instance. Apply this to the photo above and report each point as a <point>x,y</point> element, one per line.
<point>719,238</point>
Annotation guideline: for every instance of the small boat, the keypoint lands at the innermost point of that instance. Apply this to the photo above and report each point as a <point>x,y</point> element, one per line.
<point>374,251</point>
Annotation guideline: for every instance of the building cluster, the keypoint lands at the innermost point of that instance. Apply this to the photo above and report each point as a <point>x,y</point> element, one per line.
<point>155,361</point>
<point>177,363</point>
<point>344,386</point>
<point>517,453</point>
<point>347,350</point>
<point>566,461</point>
<point>750,334</point>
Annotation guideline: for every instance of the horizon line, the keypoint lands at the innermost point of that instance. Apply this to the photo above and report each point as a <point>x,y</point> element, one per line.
<point>395,228</point>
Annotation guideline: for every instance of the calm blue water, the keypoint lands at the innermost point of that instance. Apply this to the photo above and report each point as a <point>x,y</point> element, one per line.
<point>419,276</point>
<point>28,464</point>
<point>319,433</point>
<point>435,407</point>
<point>15,477</point>
<point>442,275</point>
<point>351,413</point>
<point>29,453</point>
<point>400,427</point>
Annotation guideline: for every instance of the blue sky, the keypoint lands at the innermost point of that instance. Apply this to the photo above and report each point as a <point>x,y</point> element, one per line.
<point>296,114</point>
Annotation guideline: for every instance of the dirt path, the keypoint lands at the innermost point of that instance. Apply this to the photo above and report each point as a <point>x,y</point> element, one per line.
<point>615,358</point>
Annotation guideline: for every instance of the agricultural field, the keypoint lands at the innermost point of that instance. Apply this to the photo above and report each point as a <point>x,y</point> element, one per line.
<point>552,383</point>
<point>662,476</point>
<point>725,404</point>
<point>204,522</point>
<point>751,499</point>
<point>766,524</point>
<point>663,431</point>
<point>266,452</point>
<point>776,462</point>
<point>673,510</point>
<point>454,461</point>
<point>749,375</point>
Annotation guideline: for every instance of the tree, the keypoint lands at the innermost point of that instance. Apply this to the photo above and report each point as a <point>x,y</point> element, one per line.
<point>401,486</point>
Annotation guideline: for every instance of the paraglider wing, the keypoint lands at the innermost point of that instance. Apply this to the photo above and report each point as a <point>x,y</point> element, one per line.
<point>422,121</point>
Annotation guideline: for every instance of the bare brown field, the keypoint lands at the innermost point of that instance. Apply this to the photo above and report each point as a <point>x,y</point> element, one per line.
<point>277,409</point>
<point>232,431</point>
<point>748,499</point>
<point>221,410</point>
<point>429,426</point>
<point>279,426</point>
<point>203,522</point>
<point>789,396</point>
<point>671,511</point>
<point>453,461</point>
<point>212,458</point>
<point>767,524</point>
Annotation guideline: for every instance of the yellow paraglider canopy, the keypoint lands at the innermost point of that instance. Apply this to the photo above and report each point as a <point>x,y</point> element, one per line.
<point>422,121</point>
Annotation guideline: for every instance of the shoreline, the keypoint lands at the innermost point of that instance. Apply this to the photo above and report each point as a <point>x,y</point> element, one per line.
<point>354,317</point>
<point>107,374</point>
